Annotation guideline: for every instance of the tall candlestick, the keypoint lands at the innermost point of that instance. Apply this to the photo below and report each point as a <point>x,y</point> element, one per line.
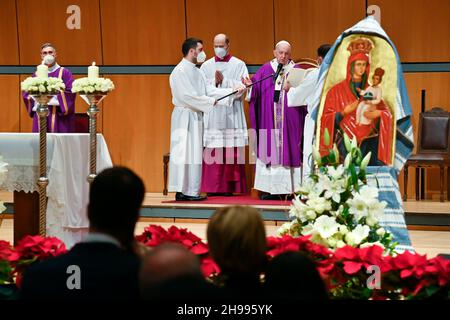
<point>93,71</point>
<point>42,71</point>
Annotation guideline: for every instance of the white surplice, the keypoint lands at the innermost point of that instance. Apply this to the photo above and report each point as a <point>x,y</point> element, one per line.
<point>300,96</point>
<point>225,126</point>
<point>191,97</point>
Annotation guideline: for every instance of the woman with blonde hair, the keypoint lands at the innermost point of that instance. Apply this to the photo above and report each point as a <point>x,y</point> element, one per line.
<point>237,242</point>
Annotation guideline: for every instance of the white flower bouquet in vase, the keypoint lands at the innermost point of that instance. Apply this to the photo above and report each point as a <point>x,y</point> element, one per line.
<point>336,207</point>
<point>92,88</point>
<point>42,87</point>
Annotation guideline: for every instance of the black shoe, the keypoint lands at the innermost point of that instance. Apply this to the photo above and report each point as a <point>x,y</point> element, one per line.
<point>182,197</point>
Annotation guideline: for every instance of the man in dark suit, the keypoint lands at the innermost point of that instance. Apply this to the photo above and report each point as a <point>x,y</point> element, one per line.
<point>104,265</point>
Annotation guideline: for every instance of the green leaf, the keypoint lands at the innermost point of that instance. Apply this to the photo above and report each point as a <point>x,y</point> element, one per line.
<point>431,290</point>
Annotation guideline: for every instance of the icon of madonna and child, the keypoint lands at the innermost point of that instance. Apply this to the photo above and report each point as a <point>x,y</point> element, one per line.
<point>356,106</point>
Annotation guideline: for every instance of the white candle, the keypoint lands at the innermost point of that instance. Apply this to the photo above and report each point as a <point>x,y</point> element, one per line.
<point>93,71</point>
<point>42,71</point>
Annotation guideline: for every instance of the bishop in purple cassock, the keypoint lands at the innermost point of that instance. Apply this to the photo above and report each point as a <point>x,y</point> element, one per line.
<point>277,127</point>
<point>61,118</point>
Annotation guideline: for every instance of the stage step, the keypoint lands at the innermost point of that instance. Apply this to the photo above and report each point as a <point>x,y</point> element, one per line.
<point>423,215</point>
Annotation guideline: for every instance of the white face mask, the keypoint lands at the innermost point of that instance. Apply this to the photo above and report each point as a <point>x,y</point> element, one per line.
<point>220,52</point>
<point>201,57</point>
<point>49,59</point>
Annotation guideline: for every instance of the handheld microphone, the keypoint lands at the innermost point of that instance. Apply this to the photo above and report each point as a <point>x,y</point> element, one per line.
<point>280,66</point>
<point>276,94</point>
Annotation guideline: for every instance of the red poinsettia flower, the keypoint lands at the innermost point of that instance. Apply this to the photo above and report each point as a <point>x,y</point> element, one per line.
<point>209,267</point>
<point>5,250</point>
<point>277,245</point>
<point>440,267</point>
<point>154,235</point>
<point>38,248</point>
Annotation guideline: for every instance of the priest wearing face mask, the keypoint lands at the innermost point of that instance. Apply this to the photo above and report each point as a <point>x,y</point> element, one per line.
<point>225,133</point>
<point>192,97</point>
<point>61,118</point>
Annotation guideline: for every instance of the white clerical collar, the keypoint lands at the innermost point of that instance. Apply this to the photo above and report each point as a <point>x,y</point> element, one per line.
<point>186,61</point>
<point>55,67</point>
<point>274,64</point>
<point>101,237</point>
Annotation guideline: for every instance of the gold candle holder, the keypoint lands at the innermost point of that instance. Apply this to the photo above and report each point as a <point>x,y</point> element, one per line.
<point>42,182</point>
<point>93,99</point>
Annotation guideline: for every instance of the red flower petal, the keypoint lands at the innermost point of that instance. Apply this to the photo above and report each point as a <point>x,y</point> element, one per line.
<point>351,267</point>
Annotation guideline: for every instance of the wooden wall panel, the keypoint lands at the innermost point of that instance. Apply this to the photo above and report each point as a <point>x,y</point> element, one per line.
<point>142,31</point>
<point>307,24</point>
<point>437,94</point>
<point>75,47</point>
<point>136,125</point>
<point>420,29</point>
<point>9,93</point>
<point>249,25</point>
<point>9,53</point>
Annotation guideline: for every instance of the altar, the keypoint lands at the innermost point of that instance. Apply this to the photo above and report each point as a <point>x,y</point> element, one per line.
<point>67,171</point>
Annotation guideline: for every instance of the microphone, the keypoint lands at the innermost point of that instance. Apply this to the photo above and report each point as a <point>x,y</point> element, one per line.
<point>276,94</point>
<point>280,66</point>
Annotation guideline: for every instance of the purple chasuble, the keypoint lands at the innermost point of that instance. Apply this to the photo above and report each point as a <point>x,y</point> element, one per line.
<point>61,119</point>
<point>278,128</point>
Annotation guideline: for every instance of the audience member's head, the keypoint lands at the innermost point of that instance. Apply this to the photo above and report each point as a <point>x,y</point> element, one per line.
<point>237,241</point>
<point>292,275</point>
<point>166,264</point>
<point>115,198</point>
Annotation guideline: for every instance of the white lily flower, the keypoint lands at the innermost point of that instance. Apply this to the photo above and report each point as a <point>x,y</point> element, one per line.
<point>319,204</point>
<point>380,232</point>
<point>336,173</point>
<point>360,233</point>
<point>326,226</point>
<point>348,159</point>
<point>368,192</point>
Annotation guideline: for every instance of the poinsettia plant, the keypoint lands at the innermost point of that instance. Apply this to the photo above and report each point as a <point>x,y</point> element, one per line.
<point>336,206</point>
<point>6,271</point>
<point>32,249</point>
<point>346,271</point>
<point>368,273</point>
<point>154,235</point>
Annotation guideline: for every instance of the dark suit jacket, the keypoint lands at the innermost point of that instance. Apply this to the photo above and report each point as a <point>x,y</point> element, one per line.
<point>106,272</point>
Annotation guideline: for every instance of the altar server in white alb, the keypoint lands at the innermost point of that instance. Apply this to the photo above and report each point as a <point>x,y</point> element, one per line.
<point>191,97</point>
<point>225,135</point>
<point>303,95</point>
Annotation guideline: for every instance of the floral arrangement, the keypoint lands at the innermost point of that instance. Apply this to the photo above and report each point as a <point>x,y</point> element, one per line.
<point>92,85</point>
<point>346,271</point>
<point>41,85</point>
<point>31,249</point>
<point>336,207</point>
<point>154,235</point>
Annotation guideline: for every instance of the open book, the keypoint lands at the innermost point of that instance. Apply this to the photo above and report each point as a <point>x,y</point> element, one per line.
<point>296,76</point>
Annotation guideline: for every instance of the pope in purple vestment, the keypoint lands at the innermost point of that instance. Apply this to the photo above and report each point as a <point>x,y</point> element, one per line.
<point>278,128</point>
<point>61,118</point>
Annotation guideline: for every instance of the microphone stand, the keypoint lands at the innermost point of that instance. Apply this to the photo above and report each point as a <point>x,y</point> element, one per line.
<point>247,86</point>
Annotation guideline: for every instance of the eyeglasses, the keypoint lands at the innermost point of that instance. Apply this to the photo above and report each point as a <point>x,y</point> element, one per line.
<point>47,52</point>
